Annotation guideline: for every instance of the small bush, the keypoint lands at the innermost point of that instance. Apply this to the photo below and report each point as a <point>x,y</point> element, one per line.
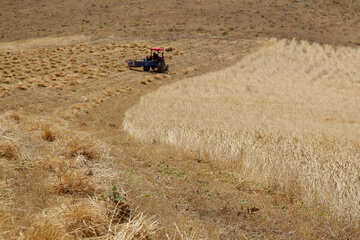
<point>15,117</point>
<point>47,134</point>
<point>117,205</point>
<point>80,147</point>
<point>133,45</point>
<point>87,218</point>
<point>8,151</point>
<point>139,227</point>
<point>46,229</point>
<point>21,87</point>
<point>74,182</point>
<point>55,164</point>
<point>169,49</point>
<point>143,82</point>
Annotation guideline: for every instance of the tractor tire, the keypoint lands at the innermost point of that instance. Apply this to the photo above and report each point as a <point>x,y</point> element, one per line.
<point>161,67</point>
<point>166,68</point>
<point>146,68</point>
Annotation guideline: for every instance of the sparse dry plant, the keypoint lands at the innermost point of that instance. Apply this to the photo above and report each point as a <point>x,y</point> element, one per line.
<point>182,236</point>
<point>6,228</point>
<point>47,229</point>
<point>47,134</point>
<point>87,218</point>
<point>8,151</point>
<point>56,164</point>
<point>15,117</point>
<point>138,228</point>
<point>21,86</point>
<point>74,181</point>
<point>82,147</point>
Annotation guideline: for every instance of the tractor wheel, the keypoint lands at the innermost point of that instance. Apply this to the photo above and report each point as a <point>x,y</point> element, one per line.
<point>166,68</point>
<point>161,67</point>
<point>146,68</point>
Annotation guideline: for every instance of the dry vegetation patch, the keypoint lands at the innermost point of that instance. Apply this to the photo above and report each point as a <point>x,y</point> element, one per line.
<point>87,218</point>
<point>46,228</point>
<point>59,67</point>
<point>82,147</point>
<point>287,114</point>
<point>73,181</point>
<point>63,189</point>
<point>8,150</point>
<point>47,134</point>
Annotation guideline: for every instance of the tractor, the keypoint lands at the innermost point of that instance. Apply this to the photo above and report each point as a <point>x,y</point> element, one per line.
<point>154,60</point>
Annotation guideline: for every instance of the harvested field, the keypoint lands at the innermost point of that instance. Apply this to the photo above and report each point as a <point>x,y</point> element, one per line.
<point>69,170</point>
<point>287,114</point>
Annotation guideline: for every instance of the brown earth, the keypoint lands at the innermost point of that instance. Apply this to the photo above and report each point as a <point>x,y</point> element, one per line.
<point>331,21</point>
<point>79,76</point>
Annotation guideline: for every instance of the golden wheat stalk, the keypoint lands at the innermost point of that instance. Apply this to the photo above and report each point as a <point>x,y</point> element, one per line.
<point>287,114</point>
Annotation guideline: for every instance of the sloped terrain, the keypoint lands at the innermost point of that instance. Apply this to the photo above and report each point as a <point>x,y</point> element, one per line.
<point>64,91</point>
<point>330,21</point>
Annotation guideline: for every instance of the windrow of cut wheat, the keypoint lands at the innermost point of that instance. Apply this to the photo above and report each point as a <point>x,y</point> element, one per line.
<point>288,114</point>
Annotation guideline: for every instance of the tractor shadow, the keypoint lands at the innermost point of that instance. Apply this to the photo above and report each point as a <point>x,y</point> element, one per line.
<point>136,70</point>
<point>151,71</point>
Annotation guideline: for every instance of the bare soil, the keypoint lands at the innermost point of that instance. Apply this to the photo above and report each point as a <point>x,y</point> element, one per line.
<point>331,21</point>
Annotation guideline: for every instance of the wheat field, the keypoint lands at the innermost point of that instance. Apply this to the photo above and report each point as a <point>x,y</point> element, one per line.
<point>286,114</point>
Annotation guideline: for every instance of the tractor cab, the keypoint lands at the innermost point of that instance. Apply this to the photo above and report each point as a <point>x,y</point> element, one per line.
<point>155,54</point>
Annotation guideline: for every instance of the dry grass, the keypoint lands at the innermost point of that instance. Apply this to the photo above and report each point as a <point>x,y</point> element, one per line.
<point>46,195</point>
<point>182,236</point>
<point>46,228</point>
<point>74,182</point>
<point>47,134</point>
<point>8,230</point>
<point>59,165</point>
<point>82,147</point>
<point>55,164</point>
<point>138,228</point>
<point>8,150</point>
<point>86,218</point>
<point>15,117</point>
<point>287,114</point>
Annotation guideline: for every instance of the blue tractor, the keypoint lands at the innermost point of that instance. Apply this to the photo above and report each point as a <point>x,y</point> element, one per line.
<point>154,60</point>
